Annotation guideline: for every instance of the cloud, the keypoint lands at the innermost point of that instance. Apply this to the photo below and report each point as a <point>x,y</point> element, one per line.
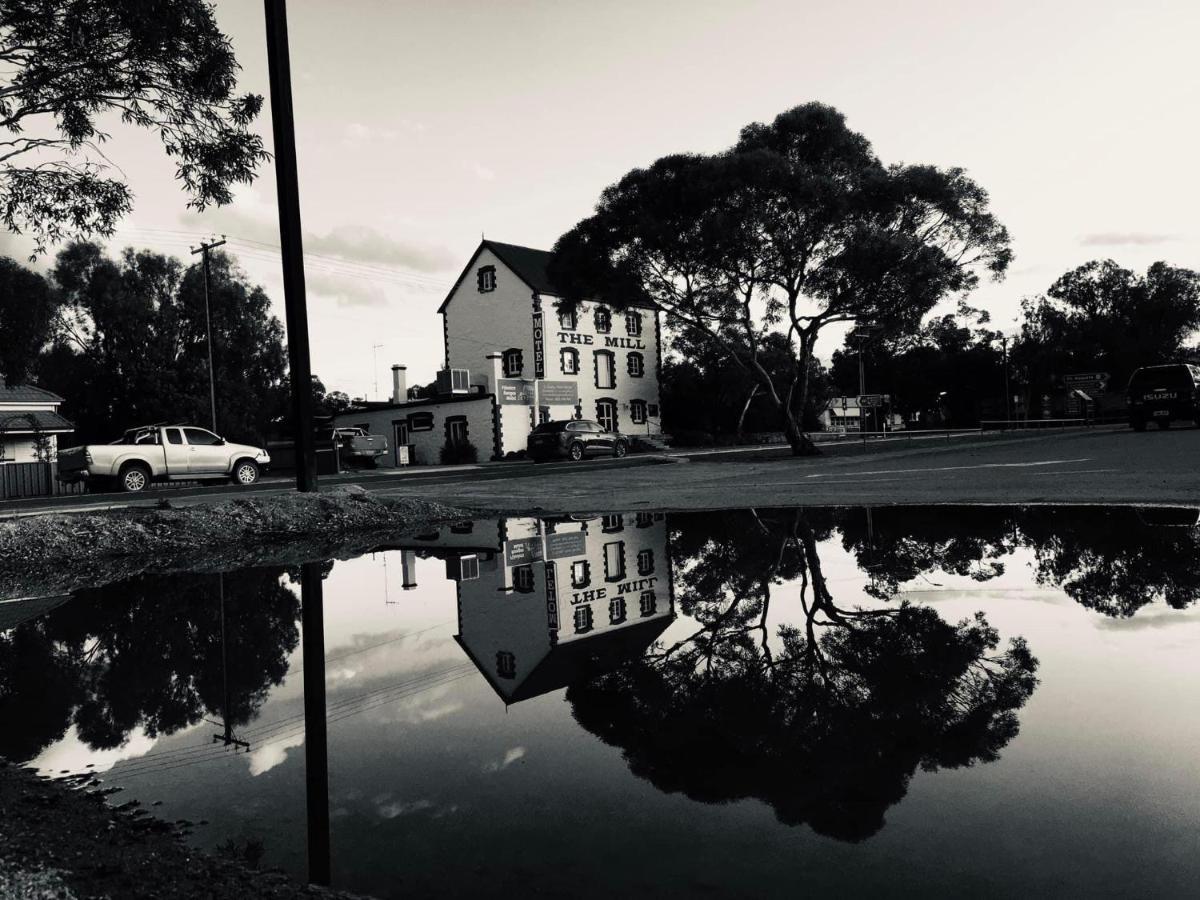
<point>509,758</point>
<point>346,290</point>
<point>362,243</point>
<point>1125,238</point>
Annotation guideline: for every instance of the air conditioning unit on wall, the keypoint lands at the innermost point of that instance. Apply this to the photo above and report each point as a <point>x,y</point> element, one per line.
<point>454,381</point>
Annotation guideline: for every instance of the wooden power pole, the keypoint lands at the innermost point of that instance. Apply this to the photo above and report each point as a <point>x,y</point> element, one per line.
<point>287,186</point>
<point>212,376</point>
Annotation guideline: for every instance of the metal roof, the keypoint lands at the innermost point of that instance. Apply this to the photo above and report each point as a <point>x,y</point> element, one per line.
<point>19,422</point>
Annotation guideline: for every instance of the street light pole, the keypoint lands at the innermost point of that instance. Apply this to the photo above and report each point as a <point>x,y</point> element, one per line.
<point>286,182</point>
<point>212,378</point>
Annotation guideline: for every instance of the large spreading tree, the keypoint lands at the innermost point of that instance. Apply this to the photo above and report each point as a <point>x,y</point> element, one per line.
<point>798,227</point>
<point>73,66</point>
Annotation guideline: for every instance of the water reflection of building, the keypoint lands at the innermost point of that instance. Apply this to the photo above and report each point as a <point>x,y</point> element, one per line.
<point>559,597</point>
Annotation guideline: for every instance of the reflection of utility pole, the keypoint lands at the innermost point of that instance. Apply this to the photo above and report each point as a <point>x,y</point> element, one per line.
<point>316,749</point>
<point>212,389</point>
<point>226,737</point>
<point>375,370</point>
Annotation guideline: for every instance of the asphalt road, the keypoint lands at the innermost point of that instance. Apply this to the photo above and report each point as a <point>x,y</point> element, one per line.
<point>1110,465</point>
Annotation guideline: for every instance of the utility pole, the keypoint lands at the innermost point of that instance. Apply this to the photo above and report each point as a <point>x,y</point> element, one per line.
<point>1007,395</point>
<point>862,335</point>
<point>287,186</point>
<point>212,378</point>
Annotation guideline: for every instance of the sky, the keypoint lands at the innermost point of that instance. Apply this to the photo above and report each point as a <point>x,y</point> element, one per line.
<point>422,126</point>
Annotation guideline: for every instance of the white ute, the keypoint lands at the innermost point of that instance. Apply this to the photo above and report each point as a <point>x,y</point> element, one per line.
<point>162,453</point>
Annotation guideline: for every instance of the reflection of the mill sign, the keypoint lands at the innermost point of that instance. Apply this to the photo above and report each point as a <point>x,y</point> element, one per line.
<point>558,597</point>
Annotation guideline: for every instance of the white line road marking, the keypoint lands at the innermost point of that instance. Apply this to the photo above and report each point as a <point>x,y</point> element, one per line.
<point>1015,465</point>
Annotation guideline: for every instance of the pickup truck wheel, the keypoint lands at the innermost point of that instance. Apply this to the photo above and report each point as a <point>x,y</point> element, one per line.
<point>245,472</point>
<point>134,478</point>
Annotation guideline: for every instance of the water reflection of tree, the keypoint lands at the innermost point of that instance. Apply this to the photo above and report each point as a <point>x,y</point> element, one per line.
<point>1114,560</point>
<point>145,653</point>
<point>828,721</point>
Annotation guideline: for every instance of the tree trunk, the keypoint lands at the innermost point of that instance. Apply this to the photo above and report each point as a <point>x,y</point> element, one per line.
<point>745,409</point>
<point>800,443</point>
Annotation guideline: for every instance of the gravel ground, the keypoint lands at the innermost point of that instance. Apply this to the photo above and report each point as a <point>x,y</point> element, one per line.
<point>59,839</point>
<point>55,553</point>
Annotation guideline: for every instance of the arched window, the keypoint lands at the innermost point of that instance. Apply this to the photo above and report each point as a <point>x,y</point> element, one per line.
<point>603,319</point>
<point>569,360</point>
<point>636,363</point>
<point>633,323</point>
<point>606,369</point>
<point>637,412</point>
<point>648,603</point>
<point>616,610</point>
<point>514,363</point>
<point>645,562</point>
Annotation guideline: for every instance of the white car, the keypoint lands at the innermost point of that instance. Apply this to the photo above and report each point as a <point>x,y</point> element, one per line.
<point>163,453</point>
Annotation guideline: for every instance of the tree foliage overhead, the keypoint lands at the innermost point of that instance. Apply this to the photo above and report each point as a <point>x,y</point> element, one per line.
<point>162,65</point>
<point>1102,317</point>
<point>796,227</point>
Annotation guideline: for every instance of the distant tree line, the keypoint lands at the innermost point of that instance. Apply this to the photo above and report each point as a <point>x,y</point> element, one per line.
<point>124,342</point>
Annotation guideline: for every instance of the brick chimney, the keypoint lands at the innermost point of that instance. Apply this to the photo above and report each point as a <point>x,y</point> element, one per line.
<point>399,384</point>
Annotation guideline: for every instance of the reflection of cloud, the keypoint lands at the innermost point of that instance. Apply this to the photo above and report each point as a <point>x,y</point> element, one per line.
<point>268,756</point>
<point>482,172</point>
<point>73,754</point>
<point>400,808</point>
<point>438,712</point>
<point>509,758</point>
<point>1123,238</point>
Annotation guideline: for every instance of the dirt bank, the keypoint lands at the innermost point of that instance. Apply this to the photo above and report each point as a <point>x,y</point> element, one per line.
<point>59,839</point>
<point>56,553</point>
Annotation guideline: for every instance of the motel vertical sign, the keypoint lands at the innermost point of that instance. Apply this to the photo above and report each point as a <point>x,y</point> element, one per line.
<point>539,344</point>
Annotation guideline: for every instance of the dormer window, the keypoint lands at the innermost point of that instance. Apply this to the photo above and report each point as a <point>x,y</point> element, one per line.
<point>486,277</point>
<point>514,363</point>
<point>633,323</point>
<point>603,320</point>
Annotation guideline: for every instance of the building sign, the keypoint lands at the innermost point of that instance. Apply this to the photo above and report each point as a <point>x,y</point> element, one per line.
<point>870,401</point>
<point>565,544</point>
<point>558,393</point>
<point>522,550</point>
<point>514,392</point>
<point>539,346</point>
<point>1087,381</point>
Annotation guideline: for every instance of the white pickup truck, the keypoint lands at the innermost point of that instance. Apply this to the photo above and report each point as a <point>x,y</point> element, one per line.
<point>162,453</point>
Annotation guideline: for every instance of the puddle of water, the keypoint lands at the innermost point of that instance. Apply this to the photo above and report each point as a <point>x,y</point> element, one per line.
<point>946,701</point>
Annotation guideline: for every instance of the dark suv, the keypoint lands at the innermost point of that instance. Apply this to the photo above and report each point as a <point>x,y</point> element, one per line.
<point>1164,394</point>
<point>575,439</point>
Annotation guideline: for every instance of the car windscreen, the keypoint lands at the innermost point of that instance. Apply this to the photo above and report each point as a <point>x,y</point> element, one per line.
<point>551,427</point>
<point>1161,377</point>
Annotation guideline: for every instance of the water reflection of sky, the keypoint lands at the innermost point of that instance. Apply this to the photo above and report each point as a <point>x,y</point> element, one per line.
<point>438,787</point>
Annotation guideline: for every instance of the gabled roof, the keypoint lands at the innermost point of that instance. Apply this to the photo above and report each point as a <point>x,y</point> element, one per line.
<point>18,422</point>
<point>526,263</point>
<point>26,393</point>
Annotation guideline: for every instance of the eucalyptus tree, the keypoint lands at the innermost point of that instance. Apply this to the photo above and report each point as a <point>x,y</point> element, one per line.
<point>72,66</point>
<point>797,227</point>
